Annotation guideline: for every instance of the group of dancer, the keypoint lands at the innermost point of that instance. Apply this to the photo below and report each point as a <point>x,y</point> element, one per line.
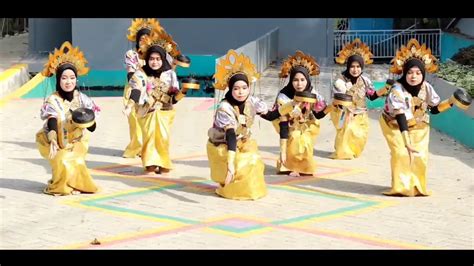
<point>237,168</point>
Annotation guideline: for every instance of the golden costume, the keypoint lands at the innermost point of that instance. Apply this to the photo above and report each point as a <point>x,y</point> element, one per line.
<point>69,171</point>
<point>303,126</point>
<point>405,121</point>
<point>153,93</point>
<point>137,29</point>
<point>230,145</point>
<point>352,122</point>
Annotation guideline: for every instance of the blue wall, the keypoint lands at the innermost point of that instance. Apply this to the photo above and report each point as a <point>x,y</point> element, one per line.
<point>451,43</point>
<point>371,23</point>
<point>457,124</point>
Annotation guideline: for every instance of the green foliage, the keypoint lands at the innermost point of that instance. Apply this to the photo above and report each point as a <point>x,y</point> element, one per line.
<point>461,75</point>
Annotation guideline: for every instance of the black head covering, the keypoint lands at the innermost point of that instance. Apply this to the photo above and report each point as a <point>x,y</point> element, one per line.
<point>350,60</point>
<point>59,71</point>
<point>289,90</point>
<point>140,33</point>
<point>228,96</point>
<point>413,90</point>
<point>165,65</point>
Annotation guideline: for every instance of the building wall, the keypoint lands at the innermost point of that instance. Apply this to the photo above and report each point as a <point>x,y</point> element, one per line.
<point>47,33</point>
<point>104,43</point>
<point>466,26</point>
<point>371,24</point>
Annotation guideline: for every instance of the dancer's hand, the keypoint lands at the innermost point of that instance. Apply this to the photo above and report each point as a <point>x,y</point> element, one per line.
<point>53,149</point>
<point>283,158</point>
<point>127,111</point>
<point>411,152</point>
<point>230,175</point>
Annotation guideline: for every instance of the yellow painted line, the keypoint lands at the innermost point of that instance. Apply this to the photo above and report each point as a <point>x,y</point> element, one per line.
<point>138,163</point>
<point>344,214</point>
<point>367,238</point>
<point>116,194</point>
<point>11,71</point>
<point>263,222</point>
<point>120,237</point>
<point>129,215</point>
<point>27,87</point>
<point>238,235</point>
<point>205,227</point>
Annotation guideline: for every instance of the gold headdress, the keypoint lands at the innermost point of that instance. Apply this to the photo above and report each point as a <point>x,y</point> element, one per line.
<point>162,39</point>
<point>140,23</point>
<point>226,69</point>
<point>299,59</point>
<point>357,47</point>
<point>413,50</point>
<point>66,54</point>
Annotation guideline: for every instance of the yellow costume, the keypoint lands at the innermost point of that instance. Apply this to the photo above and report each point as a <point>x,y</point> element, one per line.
<point>303,126</point>
<point>154,103</point>
<point>248,182</point>
<point>410,104</point>
<point>352,122</point>
<point>134,148</point>
<point>138,28</point>
<point>69,171</point>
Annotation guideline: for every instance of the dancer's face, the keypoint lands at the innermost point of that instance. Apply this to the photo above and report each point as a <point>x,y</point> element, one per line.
<point>68,80</point>
<point>240,90</point>
<point>414,76</point>
<point>155,61</point>
<point>299,82</point>
<point>355,70</point>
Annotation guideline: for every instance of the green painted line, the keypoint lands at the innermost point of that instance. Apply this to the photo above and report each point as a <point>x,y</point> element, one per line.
<point>213,107</point>
<point>99,203</point>
<point>315,193</point>
<point>238,230</point>
<point>133,193</point>
<point>141,213</point>
<point>328,213</point>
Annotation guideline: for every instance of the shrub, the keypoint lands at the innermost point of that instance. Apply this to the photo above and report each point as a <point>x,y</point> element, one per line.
<point>465,56</point>
<point>461,75</point>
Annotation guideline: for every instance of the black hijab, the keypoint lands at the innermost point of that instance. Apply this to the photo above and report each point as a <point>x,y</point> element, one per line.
<point>350,60</point>
<point>413,90</point>
<point>140,33</point>
<point>289,90</point>
<point>59,71</point>
<point>165,65</point>
<point>228,96</point>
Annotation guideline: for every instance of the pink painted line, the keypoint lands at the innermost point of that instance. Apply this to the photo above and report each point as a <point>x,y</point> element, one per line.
<point>139,237</point>
<point>332,235</point>
<point>303,178</point>
<point>269,225</point>
<point>205,105</point>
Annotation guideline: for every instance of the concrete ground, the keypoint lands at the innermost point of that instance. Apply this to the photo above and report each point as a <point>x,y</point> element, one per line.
<point>342,208</point>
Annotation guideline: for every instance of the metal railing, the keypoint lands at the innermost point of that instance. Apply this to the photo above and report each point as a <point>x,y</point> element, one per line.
<point>385,43</point>
<point>13,26</point>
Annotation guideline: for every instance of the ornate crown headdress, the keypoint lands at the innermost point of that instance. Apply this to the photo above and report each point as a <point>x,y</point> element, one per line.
<point>142,23</point>
<point>357,47</point>
<point>66,54</point>
<point>413,50</point>
<point>162,39</point>
<point>299,59</point>
<point>225,69</point>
